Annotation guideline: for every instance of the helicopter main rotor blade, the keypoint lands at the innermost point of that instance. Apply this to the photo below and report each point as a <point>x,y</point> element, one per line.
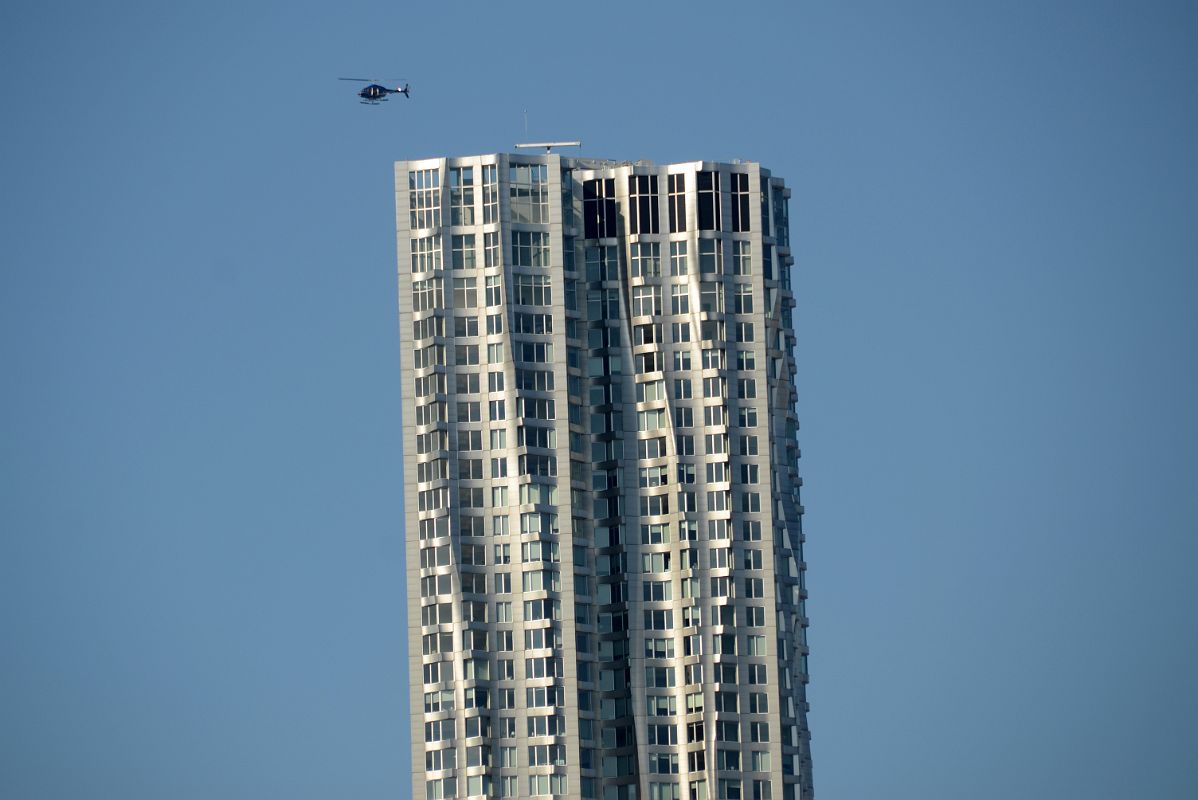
<point>363,80</point>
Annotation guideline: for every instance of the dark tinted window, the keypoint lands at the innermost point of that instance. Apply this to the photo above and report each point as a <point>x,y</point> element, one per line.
<point>642,204</point>
<point>599,208</point>
<point>709,201</point>
<point>677,187</point>
<point>740,201</point>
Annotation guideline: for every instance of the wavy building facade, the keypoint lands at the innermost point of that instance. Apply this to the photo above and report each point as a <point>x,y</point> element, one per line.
<point>604,540</point>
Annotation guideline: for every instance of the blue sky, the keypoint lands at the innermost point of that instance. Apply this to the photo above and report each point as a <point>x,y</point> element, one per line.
<point>995,226</point>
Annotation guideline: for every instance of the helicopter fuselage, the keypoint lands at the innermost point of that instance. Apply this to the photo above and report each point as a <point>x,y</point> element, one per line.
<point>375,92</point>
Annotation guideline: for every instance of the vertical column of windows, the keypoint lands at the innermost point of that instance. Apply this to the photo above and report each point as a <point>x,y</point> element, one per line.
<point>680,301</point>
<point>786,534</point>
<point>612,729</point>
<point>665,500</point>
<point>433,507</point>
<point>494,290</point>
<point>478,505</point>
<point>765,205</point>
<point>541,667</point>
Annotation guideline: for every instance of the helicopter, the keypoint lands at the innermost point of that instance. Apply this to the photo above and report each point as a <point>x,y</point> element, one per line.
<point>375,93</point>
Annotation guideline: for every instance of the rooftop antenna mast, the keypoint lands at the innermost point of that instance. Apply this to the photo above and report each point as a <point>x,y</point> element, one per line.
<point>548,145</point>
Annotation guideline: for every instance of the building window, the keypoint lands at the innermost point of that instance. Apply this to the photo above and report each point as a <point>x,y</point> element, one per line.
<point>740,202</point>
<point>711,257</point>
<point>426,254</point>
<point>646,260</point>
<point>742,258</point>
<point>680,299</point>
<point>709,201</point>
<point>462,251</point>
<point>491,249</point>
<point>463,327</point>
<point>711,297</point>
<point>424,198</point>
<point>427,295</point>
<point>567,199</point>
<point>533,290</point>
<point>548,784</point>
<point>642,204</point>
<point>461,196</point>
<point>530,249</point>
<point>729,788</point>
<point>646,300</point>
<point>529,193</point>
<point>742,299</point>
<point>490,193</point>
<point>678,265</point>
<point>713,358</point>
<point>677,202</point>
<point>494,289</point>
<point>442,789</point>
<point>599,208</point>
<point>602,263</point>
<point>781,220</point>
<point>428,327</point>
<point>465,294</point>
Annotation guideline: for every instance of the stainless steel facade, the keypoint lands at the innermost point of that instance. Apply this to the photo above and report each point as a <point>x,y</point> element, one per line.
<point>604,542</point>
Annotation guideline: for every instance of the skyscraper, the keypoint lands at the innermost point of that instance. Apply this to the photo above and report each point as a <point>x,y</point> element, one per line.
<point>604,543</point>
